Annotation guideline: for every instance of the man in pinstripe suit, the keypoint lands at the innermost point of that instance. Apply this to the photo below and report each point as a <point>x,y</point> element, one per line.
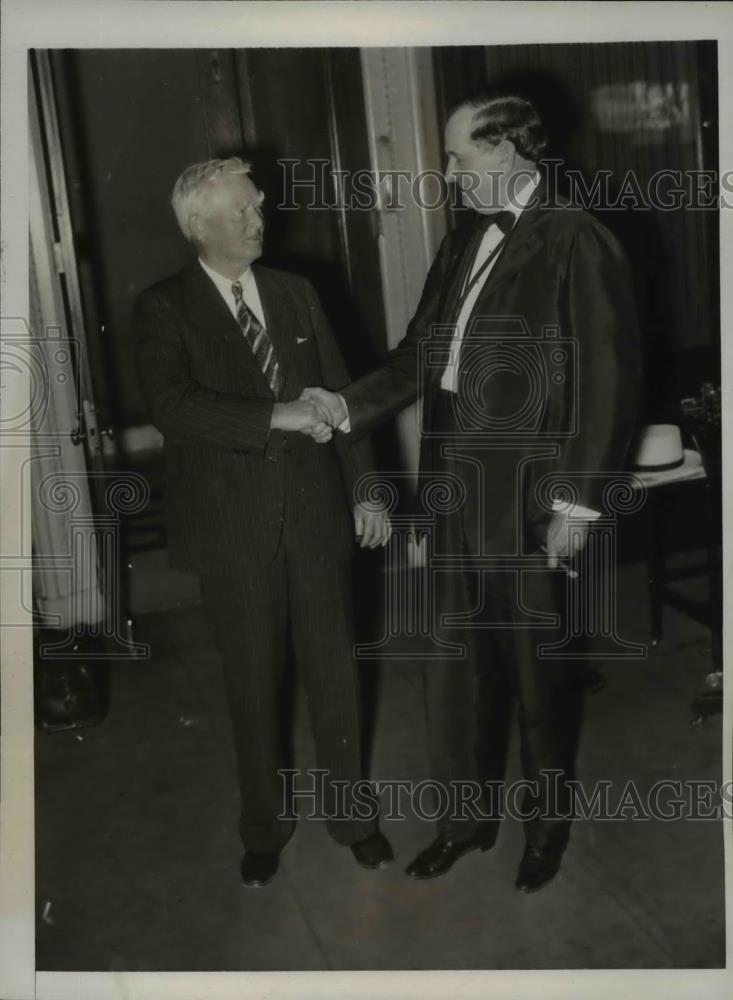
<point>258,496</point>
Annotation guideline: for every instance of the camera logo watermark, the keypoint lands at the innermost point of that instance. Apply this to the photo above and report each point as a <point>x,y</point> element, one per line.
<point>72,511</point>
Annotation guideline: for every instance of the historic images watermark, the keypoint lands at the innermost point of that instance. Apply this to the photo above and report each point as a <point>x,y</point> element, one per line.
<point>316,184</point>
<point>667,800</point>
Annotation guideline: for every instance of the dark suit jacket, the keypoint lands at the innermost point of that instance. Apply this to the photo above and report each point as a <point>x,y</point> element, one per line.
<point>230,482</point>
<point>550,363</point>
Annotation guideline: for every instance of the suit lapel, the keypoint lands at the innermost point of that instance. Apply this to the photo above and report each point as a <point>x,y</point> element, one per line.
<point>456,271</point>
<point>208,310</point>
<point>522,243</point>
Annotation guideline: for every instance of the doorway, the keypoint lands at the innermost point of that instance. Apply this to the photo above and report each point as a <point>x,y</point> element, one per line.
<point>130,121</point>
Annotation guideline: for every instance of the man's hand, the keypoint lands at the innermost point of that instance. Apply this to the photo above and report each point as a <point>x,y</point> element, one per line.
<point>320,433</point>
<point>328,401</point>
<point>566,537</point>
<point>372,527</point>
<point>305,415</point>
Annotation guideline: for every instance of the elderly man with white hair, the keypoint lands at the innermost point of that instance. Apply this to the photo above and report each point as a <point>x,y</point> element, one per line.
<point>258,499</point>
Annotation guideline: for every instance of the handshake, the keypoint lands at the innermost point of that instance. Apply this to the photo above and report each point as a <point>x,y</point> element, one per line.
<point>316,413</point>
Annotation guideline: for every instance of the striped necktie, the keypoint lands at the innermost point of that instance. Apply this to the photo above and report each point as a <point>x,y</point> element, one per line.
<point>256,336</point>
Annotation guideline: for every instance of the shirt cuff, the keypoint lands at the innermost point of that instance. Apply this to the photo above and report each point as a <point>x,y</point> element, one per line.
<point>345,425</point>
<point>577,510</point>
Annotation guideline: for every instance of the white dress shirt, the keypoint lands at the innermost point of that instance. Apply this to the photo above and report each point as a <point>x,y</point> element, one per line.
<point>250,293</point>
<point>491,240</point>
<point>492,237</point>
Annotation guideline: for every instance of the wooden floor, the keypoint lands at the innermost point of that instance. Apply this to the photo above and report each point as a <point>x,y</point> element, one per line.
<point>137,849</point>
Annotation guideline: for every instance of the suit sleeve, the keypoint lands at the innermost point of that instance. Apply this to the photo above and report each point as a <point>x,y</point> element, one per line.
<point>180,407</point>
<point>355,457</point>
<point>602,320</point>
<point>382,393</point>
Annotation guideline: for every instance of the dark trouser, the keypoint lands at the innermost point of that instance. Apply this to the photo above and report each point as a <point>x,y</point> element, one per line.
<point>469,705</point>
<point>307,591</point>
<point>469,700</point>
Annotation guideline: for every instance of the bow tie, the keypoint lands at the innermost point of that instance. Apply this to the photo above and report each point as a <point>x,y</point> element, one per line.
<point>504,220</point>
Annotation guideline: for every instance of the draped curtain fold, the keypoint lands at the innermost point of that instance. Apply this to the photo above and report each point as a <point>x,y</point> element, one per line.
<point>634,109</point>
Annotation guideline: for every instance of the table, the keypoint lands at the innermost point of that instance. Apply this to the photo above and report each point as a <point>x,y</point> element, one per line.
<point>693,471</point>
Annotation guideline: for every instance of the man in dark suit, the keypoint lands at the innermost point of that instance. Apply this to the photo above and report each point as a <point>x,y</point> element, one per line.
<point>258,498</point>
<point>524,347</point>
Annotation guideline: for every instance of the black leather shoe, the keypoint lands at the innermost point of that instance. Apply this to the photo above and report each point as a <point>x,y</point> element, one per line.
<point>374,852</point>
<point>259,867</point>
<point>538,867</point>
<point>440,856</point>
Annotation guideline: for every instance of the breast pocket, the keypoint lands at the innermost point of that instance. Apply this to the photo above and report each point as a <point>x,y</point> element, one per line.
<point>306,359</point>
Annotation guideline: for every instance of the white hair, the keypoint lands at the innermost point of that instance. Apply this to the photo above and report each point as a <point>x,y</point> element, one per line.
<point>190,189</point>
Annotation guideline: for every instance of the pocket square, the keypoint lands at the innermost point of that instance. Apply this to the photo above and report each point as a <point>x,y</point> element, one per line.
<point>301,340</point>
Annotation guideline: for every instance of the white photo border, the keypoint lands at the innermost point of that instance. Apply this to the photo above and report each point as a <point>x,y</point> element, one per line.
<point>28,24</point>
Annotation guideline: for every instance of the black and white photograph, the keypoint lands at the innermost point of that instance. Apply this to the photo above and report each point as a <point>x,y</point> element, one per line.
<point>363,372</point>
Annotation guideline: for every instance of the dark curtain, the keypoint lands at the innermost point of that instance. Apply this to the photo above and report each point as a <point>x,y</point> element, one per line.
<point>632,109</point>
<point>131,120</point>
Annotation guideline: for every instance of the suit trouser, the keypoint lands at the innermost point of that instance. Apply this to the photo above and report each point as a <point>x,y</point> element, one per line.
<point>470,700</point>
<point>469,710</point>
<point>304,592</point>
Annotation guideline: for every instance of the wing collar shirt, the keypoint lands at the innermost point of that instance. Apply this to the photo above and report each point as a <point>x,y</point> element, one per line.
<point>491,240</point>
<point>492,237</point>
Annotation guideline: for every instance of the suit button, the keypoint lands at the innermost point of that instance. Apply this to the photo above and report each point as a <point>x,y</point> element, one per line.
<point>272,458</point>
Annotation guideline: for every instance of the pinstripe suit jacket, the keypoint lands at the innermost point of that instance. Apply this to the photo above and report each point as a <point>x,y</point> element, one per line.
<point>230,481</point>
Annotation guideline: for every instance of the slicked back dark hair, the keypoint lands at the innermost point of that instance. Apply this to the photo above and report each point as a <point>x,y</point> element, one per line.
<point>508,117</point>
